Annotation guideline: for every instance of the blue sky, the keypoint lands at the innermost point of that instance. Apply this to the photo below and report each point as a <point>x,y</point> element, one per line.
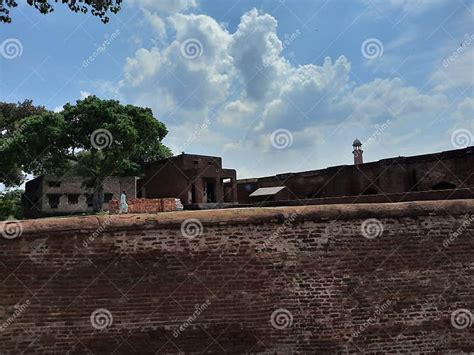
<point>274,86</point>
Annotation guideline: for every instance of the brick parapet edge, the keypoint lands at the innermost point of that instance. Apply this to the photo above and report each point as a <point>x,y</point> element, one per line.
<point>86,224</point>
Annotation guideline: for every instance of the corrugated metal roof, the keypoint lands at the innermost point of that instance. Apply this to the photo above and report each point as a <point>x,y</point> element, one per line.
<point>267,191</point>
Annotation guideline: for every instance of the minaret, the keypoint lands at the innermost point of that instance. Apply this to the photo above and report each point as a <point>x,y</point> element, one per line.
<point>358,159</point>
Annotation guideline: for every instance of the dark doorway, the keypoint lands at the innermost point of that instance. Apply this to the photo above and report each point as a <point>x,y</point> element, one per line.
<point>193,193</point>
<point>211,193</point>
<point>443,185</point>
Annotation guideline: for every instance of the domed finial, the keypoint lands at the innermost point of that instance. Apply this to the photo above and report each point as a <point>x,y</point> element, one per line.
<point>357,143</point>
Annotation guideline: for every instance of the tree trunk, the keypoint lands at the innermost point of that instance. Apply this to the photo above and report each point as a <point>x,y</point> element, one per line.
<point>95,201</point>
<point>98,198</point>
<point>101,197</point>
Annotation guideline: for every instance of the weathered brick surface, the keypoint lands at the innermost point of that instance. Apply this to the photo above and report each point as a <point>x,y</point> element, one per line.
<point>397,290</point>
<point>146,205</point>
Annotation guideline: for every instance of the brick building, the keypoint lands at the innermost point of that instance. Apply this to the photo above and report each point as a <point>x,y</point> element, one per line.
<point>191,178</point>
<point>444,175</point>
<point>56,195</point>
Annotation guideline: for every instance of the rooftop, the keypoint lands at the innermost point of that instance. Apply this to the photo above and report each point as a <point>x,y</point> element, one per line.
<point>267,191</point>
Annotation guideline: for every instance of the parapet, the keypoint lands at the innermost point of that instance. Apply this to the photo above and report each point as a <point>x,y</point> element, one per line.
<point>86,224</point>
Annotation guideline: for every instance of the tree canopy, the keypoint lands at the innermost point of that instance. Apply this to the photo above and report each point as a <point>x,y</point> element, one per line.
<point>10,116</point>
<point>99,8</point>
<point>10,205</point>
<point>95,138</point>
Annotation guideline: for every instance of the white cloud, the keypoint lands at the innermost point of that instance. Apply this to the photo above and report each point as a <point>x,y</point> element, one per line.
<point>84,94</point>
<point>179,85</point>
<point>380,100</point>
<point>457,68</point>
<point>242,81</point>
<point>156,22</point>
<point>465,113</point>
<point>256,51</point>
<point>237,113</point>
<point>310,95</point>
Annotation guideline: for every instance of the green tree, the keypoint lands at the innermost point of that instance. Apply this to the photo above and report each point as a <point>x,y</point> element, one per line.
<point>99,8</point>
<point>11,116</point>
<point>94,138</point>
<point>11,205</point>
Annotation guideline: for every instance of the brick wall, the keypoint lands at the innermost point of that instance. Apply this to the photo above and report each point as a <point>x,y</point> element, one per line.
<point>315,279</point>
<point>144,205</point>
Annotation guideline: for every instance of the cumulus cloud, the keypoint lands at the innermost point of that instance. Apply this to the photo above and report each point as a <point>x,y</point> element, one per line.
<point>310,95</point>
<point>385,99</point>
<point>156,22</point>
<point>237,113</point>
<point>256,51</point>
<point>242,81</point>
<point>457,68</point>
<point>465,113</point>
<point>174,81</point>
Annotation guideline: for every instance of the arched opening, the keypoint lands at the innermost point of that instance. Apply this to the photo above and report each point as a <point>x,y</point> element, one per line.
<point>443,185</point>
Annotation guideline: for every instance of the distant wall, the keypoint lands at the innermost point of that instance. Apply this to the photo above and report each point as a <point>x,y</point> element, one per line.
<point>143,205</point>
<point>387,176</point>
<point>457,194</point>
<point>288,279</point>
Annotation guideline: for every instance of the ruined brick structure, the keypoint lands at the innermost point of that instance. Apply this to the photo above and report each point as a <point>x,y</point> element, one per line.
<point>191,178</point>
<point>282,280</point>
<point>450,170</point>
<point>145,205</point>
<point>65,195</point>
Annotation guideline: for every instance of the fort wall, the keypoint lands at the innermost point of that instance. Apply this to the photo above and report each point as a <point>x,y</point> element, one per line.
<point>314,279</point>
